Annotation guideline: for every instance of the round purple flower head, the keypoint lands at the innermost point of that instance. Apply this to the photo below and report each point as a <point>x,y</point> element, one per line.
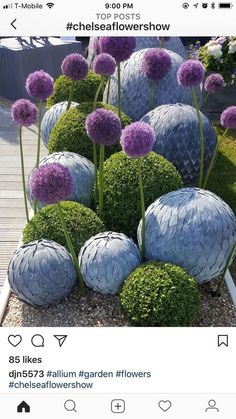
<point>103,127</point>
<point>24,112</point>
<point>156,63</point>
<point>75,67</point>
<point>228,117</point>
<point>120,47</point>
<point>137,139</point>
<point>51,183</point>
<point>190,73</point>
<point>104,64</point>
<point>214,83</point>
<point>39,85</point>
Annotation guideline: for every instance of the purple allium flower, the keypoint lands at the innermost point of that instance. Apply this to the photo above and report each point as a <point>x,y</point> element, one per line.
<point>104,64</point>
<point>164,38</point>
<point>120,47</point>
<point>24,112</point>
<point>156,63</point>
<point>228,117</point>
<point>103,127</point>
<point>39,85</point>
<point>214,83</point>
<point>75,67</point>
<point>51,183</point>
<point>190,73</point>
<point>137,139</point>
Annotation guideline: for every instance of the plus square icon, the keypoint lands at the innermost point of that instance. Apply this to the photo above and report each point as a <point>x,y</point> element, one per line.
<point>118,406</point>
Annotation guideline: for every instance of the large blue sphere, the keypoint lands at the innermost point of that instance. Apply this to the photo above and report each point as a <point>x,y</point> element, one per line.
<point>51,117</point>
<point>192,228</point>
<point>82,173</point>
<point>177,134</point>
<point>137,87</point>
<point>174,44</point>
<point>106,260</point>
<point>41,273</point>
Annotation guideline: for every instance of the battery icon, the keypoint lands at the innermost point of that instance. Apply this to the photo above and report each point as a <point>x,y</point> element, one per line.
<point>225,5</point>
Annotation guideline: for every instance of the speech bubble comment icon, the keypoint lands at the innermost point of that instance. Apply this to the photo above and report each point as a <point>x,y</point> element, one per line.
<point>38,341</point>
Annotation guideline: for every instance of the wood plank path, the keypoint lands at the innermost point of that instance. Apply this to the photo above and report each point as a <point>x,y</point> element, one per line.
<point>12,213</point>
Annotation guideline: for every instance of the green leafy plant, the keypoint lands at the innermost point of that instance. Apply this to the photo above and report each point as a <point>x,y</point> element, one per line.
<point>121,211</point>
<point>160,294</point>
<point>83,90</point>
<point>82,223</point>
<point>69,134</point>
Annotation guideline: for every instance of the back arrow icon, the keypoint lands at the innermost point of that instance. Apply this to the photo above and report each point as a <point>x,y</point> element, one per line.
<point>12,23</point>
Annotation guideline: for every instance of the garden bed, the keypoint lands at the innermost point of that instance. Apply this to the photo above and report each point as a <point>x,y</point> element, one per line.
<point>96,310</point>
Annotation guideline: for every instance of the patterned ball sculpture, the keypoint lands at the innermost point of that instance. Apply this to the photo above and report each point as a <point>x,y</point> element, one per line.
<point>136,87</point>
<point>106,260</point>
<point>177,138</point>
<point>192,228</point>
<point>82,172</point>
<point>41,273</point>
<point>51,117</point>
<point>173,44</point>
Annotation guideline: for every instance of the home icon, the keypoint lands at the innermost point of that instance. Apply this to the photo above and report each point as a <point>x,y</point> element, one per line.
<point>23,408</point>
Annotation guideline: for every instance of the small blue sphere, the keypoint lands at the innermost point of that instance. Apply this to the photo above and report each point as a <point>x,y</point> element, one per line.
<point>51,117</point>
<point>41,273</point>
<point>176,129</point>
<point>82,172</point>
<point>192,228</point>
<point>106,260</point>
<point>137,87</point>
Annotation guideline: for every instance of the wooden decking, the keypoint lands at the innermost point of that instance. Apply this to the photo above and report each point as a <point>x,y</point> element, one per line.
<point>12,213</point>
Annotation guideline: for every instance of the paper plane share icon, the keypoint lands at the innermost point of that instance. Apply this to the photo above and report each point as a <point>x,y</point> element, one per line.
<point>61,339</point>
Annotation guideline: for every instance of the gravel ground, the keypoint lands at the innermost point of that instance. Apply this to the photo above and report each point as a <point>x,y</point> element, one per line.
<point>98,310</point>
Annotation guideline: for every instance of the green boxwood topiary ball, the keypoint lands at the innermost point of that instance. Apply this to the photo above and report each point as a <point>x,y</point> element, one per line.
<point>122,210</point>
<point>81,222</point>
<point>160,294</point>
<point>69,134</point>
<point>84,90</point>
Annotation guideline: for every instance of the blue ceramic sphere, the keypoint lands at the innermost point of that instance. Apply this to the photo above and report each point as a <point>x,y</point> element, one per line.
<point>137,87</point>
<point>174,44</point>
<point>41,273</point>
<point>82,172</point>
<point>106,260</point>
<point>192,228</point>
<point>51,117</point>
<point>176,129</point>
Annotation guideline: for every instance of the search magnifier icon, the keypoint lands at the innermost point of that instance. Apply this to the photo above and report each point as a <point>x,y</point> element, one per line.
<point>70,406</point>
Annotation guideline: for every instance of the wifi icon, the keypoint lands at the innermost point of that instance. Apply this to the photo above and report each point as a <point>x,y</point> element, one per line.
<point>50,5</point>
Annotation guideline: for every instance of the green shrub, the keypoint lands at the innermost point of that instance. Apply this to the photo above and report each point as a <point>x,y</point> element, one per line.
<point>69,134</point>
<point>160,294</point>
<point>122,211</point>
<point>84,90</point>
<point>82,224</point>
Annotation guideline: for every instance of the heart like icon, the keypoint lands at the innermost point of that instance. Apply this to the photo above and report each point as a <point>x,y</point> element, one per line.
<point>14,340</point>
<point>165,405</point>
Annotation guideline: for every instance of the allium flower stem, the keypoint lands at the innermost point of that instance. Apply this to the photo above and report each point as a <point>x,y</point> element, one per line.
<point>39,132</point>
<point>228,262</point>
<point>213,159</point>
<point>108,89</point>
<point>70,96</point>
<point>71,248</point>
<point>119,89</point>
<point>100,205</point>
<point>142,208</point>
<point>205,101</point>
<point>95,157</point>
<point>23,175</point>
<point>153,93</point>
<point>201,137</point>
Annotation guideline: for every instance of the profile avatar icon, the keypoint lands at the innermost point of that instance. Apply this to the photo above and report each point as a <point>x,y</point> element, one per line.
<point>212,406</point>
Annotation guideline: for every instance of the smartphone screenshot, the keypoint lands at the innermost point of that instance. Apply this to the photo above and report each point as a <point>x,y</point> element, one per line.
<point>117,209</point>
